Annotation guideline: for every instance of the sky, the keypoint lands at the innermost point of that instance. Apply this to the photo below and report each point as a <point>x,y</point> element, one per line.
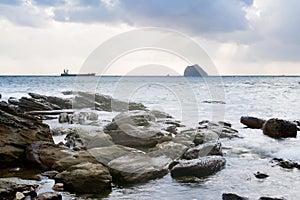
<point>241,37</point>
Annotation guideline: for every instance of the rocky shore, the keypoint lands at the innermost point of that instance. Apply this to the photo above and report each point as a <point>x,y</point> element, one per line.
<point>136,146</point>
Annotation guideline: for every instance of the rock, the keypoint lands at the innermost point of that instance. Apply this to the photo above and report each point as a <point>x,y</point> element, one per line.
<point>49,196</point>
<point>214,102</point>
<point>136,129</point>
<point>45,154</point>
<point>278,128</point>
<point>201,167</point>
<point>231,196</point>
<point>207,149</point>
<point>0,96</point>
<point>17,131</point>
<point>271,198</point>
<point>136,168</point>
<point>160,114</point>
<point>287,164</point>
<point>19,196</point>
<point>168,149</point>
<point>252,122</point>
<point>86,178</point>
<point>50,174</point>
<point>63,118</point>
<point>223,129</point>
<point>8,190</point>
<point>194,70</point>
<point>260,175</point>
<point>95,155</point>
<point>58,186</point>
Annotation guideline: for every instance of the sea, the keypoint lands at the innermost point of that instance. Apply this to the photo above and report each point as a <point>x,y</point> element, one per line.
<point>193,99</point>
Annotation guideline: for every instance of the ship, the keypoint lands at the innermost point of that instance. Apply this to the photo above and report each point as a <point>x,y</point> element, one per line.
<point>66,73</point>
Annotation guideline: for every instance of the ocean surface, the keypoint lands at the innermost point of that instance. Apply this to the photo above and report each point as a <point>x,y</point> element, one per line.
<point>191,100</point>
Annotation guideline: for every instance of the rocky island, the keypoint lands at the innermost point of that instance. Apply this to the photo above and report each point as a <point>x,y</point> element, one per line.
<point>194,70</point>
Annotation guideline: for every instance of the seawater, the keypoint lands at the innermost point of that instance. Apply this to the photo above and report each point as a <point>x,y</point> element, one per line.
<point>184,98</point>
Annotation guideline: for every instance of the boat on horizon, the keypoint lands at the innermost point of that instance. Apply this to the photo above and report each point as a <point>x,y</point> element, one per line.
<point>66,73</point>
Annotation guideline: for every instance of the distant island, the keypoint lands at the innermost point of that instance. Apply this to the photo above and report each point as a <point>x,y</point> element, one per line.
<point>194,70</point>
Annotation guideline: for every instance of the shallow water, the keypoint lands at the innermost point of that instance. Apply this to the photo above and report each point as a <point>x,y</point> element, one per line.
<point>264,97</point>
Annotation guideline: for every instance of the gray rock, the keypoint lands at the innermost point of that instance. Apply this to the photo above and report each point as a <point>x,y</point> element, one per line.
<point>201,167</point>
<point>252,122</point>
<point>168,149</point>
<point>86,178</point>
<point>278,128</point>
<point>207,149</point>
<point>194,70</point>
<point>224,130</point>
<point>63,118</point>
<point>49,196</point>
<point>138,168</point>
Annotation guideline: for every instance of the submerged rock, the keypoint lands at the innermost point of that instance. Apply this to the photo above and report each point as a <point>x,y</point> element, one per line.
<point>138,168</point>
<point>201,167</point>
<point>252,122</point>
<point>86,178</point>
<point>231,196</point>
<point>278,128</point>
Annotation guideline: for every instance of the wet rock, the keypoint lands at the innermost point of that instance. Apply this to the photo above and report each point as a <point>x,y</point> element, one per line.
<point>19,196</point>
<point>169,149</point>
<point>50,174</point>
<point>160,114</point>
<point>201,167</point>
<point>278,128</point>
<point>49,196</point>
<point>186,137</point>
<point>136,168</point>
<point>45,154</point>
<point>136,129</point>
<point>271,198</point>
<point>58,186</point>
<point>8,190</point>
<point>223,129</point>
<point>63,118</point>
<point>284,163</point>
<point>207,149</point>
<point>17,131</point>
<point>86,178</point>
<point>260,175</point>
<point>252,122</point>
<point>231,196</point>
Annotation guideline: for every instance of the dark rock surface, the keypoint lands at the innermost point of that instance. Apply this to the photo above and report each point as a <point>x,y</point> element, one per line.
<point>17,131</point>
<point>278,128</point>
<point>201,167</point>
<point>252,122</point>
<point>49,196</point>
<point>260,175</point>
<point>284,163</point>
<point>231,196</point>
<point>86,178</point>
<point>194,70</point>
<point>9,189</point>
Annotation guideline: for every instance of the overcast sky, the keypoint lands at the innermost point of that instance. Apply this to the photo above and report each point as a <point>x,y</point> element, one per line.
<point>242,37</point>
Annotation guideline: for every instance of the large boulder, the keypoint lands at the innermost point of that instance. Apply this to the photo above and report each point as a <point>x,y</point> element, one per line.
<point>201,167</point>
<point>278,128</point>
<point>168,149</point>
<point>45,154</point>
<point>86,178</point>
<point>136,129</point>
<point>136,168</point>
<point>17,131</point>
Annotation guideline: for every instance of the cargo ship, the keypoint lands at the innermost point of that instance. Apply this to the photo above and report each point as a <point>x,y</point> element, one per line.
<point>66,73</point>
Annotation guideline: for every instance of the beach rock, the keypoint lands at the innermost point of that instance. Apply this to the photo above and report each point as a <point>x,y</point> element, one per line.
<point>86,178</point>
<point>260,175</point>
<point>278,128</point>
<point>8,190</point>
<point>136,168</point>
<point>201,167</point>
<point>101,155</point>
<point>136,129</point>
<point>17,131</point>
<point>45,154</point>
<point>160,114</point>
<point>223,129</point>
<point>103,102</point>
<point>49,196</point>
<point>284,163</point>
<point>194,70</point>
<point>207,149</point>
<point>231,196</point>
<point>168,149</point>
<point>252,122</point>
